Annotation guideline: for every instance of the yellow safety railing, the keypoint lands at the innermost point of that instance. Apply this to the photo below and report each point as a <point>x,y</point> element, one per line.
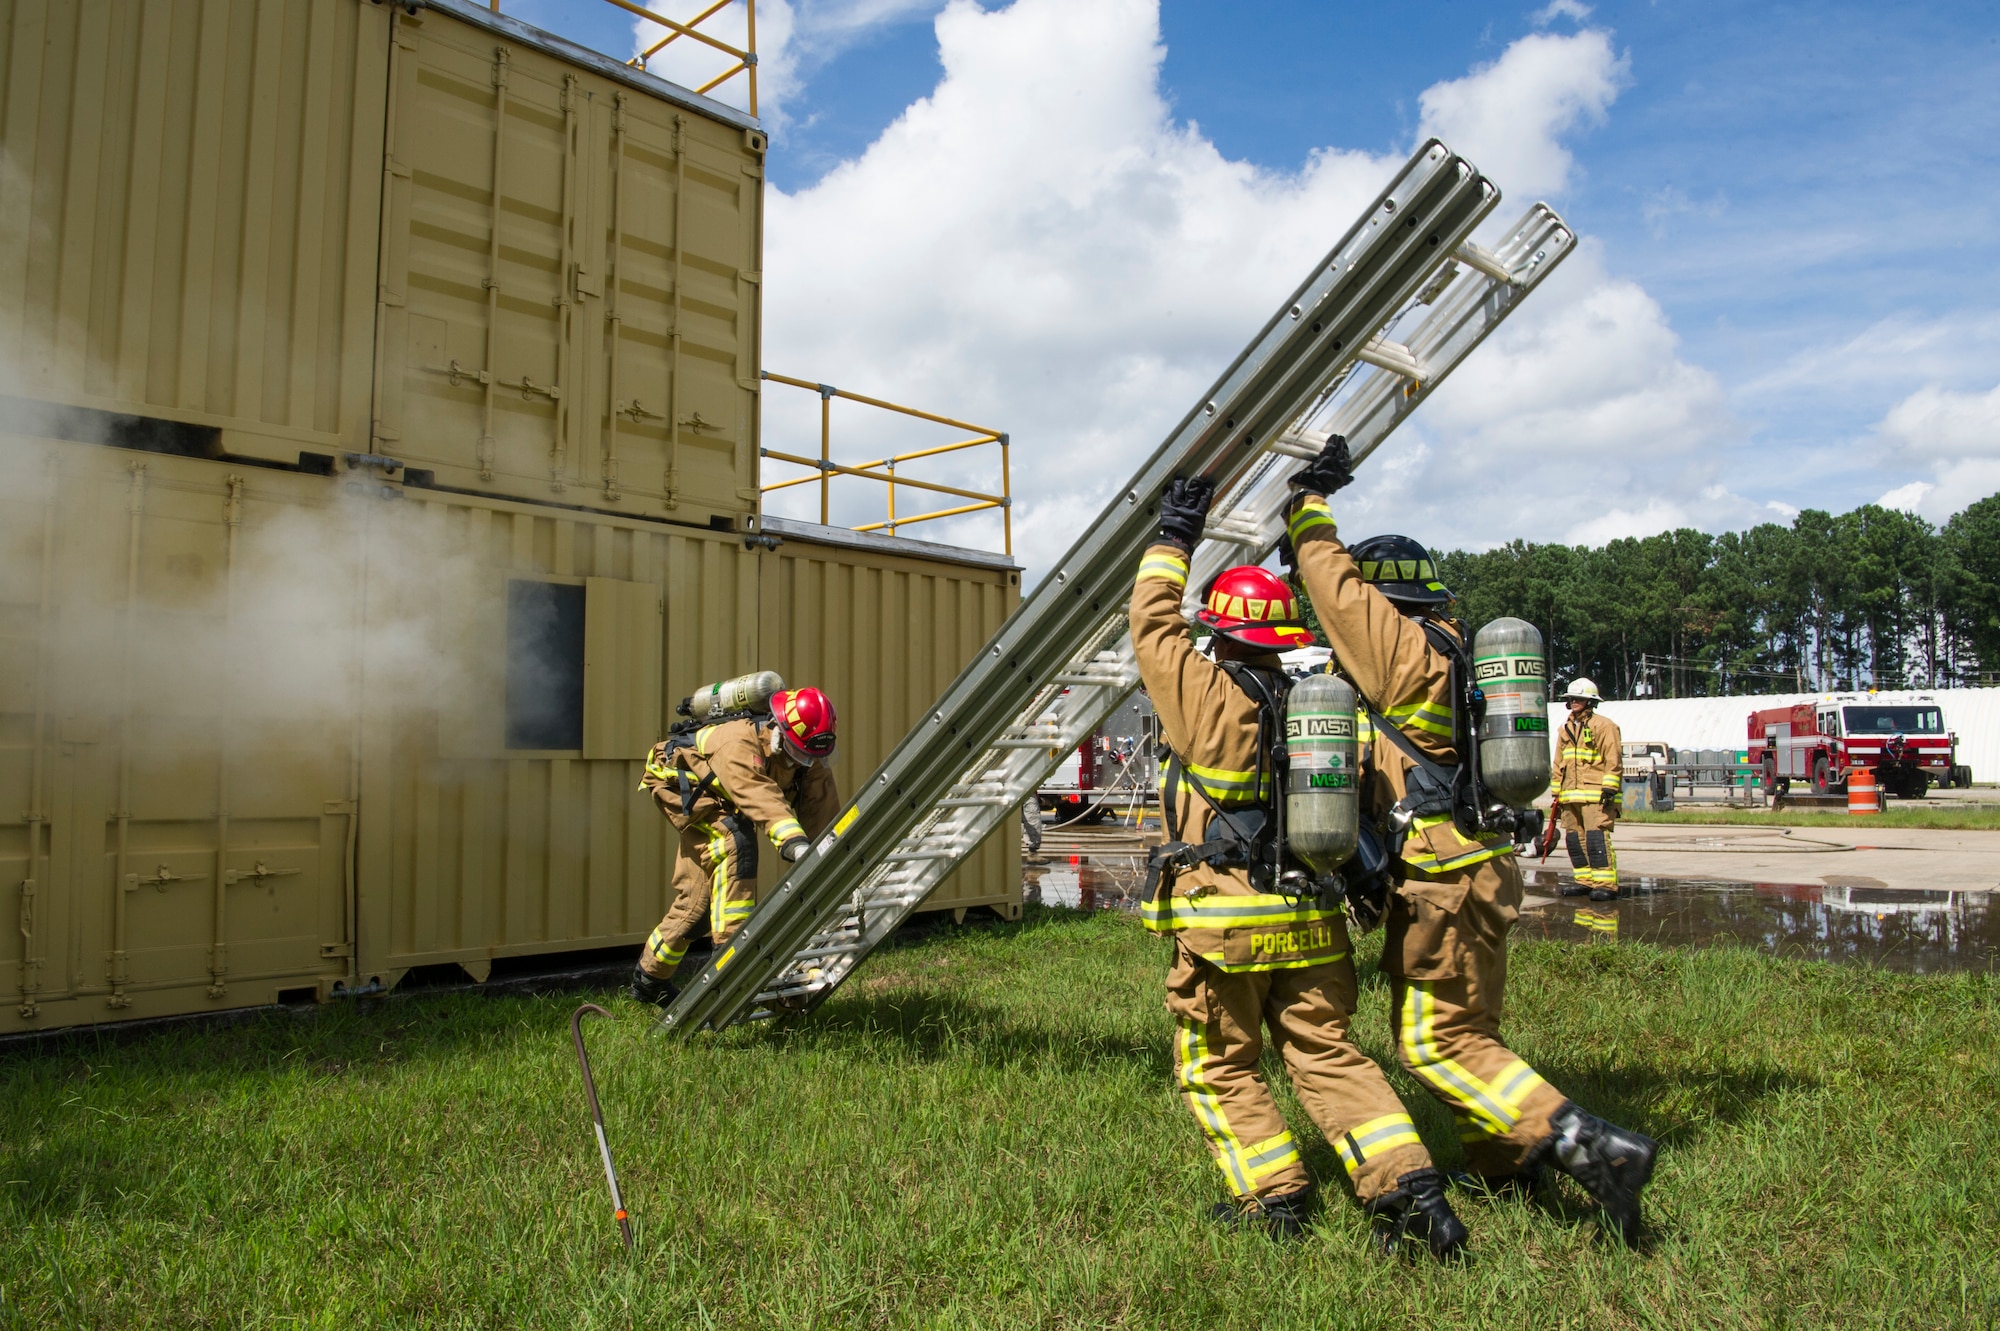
<point>825,468</point>
<point>745,57</point>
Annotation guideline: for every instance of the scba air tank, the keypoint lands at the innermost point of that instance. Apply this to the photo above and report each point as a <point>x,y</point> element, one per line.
<point>1322,791</point>
<point>745,693</point>
<point>1508,667</point>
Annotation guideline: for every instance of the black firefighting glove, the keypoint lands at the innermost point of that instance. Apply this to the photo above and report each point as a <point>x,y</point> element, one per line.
<point>1608,801</point>
<point>1184,510</point>
<point>1288,556</point>
<point>793,850</point>
<point>1331,471</point>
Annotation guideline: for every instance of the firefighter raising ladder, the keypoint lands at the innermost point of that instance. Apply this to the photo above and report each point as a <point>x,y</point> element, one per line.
<point>1458,889</point>
<point>1588,780</point>
<point>751,760</point>
<point>1247,955</point>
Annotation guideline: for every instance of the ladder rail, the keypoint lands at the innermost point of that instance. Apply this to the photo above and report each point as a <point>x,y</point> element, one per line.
<point>1366,417</point>
<point>860,880</point>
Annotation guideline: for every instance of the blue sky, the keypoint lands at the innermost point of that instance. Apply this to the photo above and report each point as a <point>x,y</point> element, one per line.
<point>1805,197</point>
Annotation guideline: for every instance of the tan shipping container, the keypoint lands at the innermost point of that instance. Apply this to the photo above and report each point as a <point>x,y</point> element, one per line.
<point>189,202</point>
<point>569,277</point>
<point>280,733</point>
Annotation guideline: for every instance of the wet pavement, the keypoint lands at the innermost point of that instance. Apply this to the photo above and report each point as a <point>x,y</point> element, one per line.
<point>1853,918</point>
<point>1912,929</point>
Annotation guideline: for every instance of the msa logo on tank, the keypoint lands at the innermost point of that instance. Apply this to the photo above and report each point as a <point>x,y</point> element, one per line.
<point>1488,668</point>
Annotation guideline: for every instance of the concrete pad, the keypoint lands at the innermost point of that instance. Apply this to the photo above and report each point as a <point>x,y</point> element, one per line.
<point>1839,857</point>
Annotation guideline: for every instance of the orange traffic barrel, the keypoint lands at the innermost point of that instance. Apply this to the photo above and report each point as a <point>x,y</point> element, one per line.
<point>1862,795</point>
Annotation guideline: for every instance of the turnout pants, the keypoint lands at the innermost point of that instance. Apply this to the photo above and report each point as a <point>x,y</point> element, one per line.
<point>1587,836</point>
<point>715,879</point>
<point>1219,1018</point>
<point>1446,955</point>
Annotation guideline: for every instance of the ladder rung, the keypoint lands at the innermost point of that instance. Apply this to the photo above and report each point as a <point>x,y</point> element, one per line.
<point>1487,262</point>
<point>1394,357</point>
<point>986,802</point>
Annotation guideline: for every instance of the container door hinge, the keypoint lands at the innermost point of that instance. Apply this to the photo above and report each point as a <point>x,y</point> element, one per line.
<point>330,951</point>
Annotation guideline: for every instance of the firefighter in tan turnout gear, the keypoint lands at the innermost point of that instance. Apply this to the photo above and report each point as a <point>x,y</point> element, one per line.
<point>1445,950</point>
<point>1588,782</point>
<point>724,786</point>
<point>1246,956</point>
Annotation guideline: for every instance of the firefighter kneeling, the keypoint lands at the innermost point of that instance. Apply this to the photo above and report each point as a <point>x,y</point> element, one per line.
<point>764,768</point>
<point>1588,779</point>
<point>1246,955</point>
<point>1382,609</point>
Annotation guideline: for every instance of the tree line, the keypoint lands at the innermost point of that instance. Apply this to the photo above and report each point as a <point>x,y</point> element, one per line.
<point>1871,598</point>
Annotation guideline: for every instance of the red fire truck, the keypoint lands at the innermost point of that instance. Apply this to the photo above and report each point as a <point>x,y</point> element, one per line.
<point>1820,741</point>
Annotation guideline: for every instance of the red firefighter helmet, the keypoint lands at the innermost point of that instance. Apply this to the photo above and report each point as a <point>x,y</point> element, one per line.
<point>805,723</point>
<point>1254,606</point>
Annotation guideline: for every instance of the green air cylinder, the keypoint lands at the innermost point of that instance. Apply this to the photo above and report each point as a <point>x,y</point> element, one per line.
<point>745,693</point>
<point>1508,666</point>
<point>1322,786</point>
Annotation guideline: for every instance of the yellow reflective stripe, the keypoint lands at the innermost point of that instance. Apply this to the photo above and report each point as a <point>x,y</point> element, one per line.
<point>1464,1091</point>
<point>1480,850</point>
<point>1220,910</point>
<point>719,880</point>
<point>784,830</point>
<point>658,770</point>
<point>1433,718</point>
<point>1309,516</point>
<point>656,945</point>
<point>1271,1155</point>
<point>1224,785</point>
<point>1168,568</point>
<point>1363,1141</point>
<point>1207,1106</point>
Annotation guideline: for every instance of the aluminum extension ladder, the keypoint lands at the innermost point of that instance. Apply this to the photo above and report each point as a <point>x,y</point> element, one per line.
<point>1063,660</point>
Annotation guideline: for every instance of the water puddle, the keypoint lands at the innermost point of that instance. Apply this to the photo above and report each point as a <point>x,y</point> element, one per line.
<point>1917,930</point>
<point>1854,919</point>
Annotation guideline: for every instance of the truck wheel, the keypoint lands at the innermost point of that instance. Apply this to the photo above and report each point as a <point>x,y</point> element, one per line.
<point>1822,782</point>
<point>1962,777</point>
<point>1772,784</point>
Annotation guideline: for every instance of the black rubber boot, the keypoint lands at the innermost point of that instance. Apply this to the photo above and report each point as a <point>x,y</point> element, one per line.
<point>1603,894</point>
<point>1574,890</point>
<point>1418,1212</point>
<point>1612,1163</point>
<point>652,988</point>
<point>1282,1217</point>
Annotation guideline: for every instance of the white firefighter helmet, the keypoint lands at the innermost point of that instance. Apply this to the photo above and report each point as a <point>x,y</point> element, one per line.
<point>1582,690</point>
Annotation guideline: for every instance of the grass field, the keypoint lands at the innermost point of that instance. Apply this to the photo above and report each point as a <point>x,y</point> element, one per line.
<point>979,1132</point>
<point>1941,816</point>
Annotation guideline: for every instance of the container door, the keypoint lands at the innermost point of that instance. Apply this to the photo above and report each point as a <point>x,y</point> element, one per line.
<point>569,283</point>
<point>34,950</point>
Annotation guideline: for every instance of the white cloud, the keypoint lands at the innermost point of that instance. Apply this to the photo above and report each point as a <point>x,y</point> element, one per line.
<point>1038,244</point>
<point>1573,10</point>
<point>1909,498</point>
<point>1510,116</point>
<point>1955,436</point>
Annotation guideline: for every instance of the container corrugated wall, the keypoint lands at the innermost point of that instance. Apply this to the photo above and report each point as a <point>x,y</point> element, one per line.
<point>176,708</point>
<point>189,200</point>
<point>592,335</point>
<point>884,635</point>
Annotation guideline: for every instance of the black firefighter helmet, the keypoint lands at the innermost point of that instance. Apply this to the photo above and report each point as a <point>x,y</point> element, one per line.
<point>1402,569</point>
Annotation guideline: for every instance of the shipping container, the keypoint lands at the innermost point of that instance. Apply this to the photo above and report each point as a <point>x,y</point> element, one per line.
<point>378,466</point>
<point>189,216</point>
<point>569,278</point>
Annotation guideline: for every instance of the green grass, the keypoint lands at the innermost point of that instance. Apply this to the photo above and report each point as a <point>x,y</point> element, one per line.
<point>1944,817</point>
<point>979,1132</point>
